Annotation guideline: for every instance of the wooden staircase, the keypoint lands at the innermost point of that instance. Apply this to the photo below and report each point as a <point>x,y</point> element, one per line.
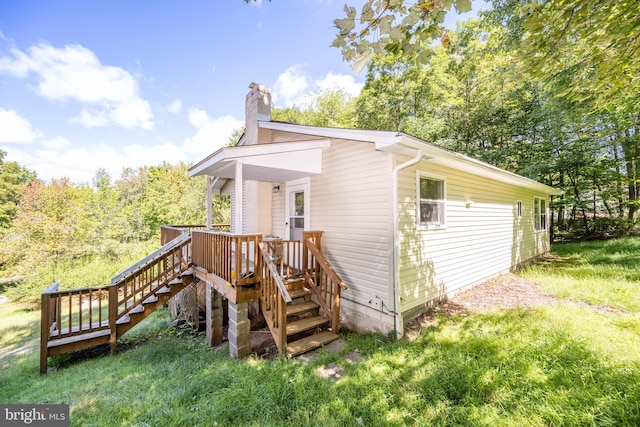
<point>76,319</point>
<point>302,309</point>
<point>306,328</point>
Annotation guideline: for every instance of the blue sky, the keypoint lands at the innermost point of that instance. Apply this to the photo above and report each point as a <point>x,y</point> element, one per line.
<point>120,83</point>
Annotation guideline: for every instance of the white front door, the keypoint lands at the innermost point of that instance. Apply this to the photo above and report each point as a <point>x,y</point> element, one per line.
<point>297,209</point>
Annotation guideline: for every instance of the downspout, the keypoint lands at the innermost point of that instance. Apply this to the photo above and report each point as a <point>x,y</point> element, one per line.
<point>396,249</point>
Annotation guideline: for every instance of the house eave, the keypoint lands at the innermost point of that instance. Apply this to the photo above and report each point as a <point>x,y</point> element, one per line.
<point>273,162</point>
<point>403,144</point>
<point>456,160</point>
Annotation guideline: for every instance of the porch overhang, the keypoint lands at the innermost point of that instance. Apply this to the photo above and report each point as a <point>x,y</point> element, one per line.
<point>274,162</point>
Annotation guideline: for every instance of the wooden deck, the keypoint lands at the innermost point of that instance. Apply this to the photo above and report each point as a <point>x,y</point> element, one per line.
<point>299,292</point>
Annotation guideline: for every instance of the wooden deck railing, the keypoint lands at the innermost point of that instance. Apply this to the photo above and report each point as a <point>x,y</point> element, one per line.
<point>322,279</point>
<point>233,257</point>
<point>95,312</point>
<point>286,256</point>
<point>76,311</point>
<point>274,298</point>
<point>170,232</point>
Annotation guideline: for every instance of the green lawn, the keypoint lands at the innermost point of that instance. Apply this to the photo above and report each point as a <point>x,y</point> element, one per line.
<point>566,364</point>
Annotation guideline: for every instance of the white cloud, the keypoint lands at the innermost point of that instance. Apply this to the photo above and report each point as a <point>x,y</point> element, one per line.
<point>295,87</point>
<point>57,157</point>
<point>75,73</point>
<point>211,133</point>
<point>345,82</point>
<point>175,106</point>
<point>56,143</point>
<point>80,164</point>
<point>15,129</point>
<point>291,86</point>
<point>91,119</point>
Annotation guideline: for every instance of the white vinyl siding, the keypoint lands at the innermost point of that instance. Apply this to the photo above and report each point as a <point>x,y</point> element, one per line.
<point>350,202</point>
<point>481,239</point>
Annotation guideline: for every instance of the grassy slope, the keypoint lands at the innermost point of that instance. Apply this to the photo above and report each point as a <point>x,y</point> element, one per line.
<point>557,365</point>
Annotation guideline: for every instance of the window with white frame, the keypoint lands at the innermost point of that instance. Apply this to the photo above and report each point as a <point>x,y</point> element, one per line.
<point>519,208</point>
<point>432,201</point>
<point>539,214</point>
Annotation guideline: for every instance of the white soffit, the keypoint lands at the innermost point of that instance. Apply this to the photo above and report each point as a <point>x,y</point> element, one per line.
<point>265,162</point>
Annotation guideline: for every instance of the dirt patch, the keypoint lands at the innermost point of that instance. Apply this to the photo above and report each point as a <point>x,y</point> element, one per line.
<point>502,293</point>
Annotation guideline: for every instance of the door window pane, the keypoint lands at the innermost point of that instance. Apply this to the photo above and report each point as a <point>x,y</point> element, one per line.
<point>298,203</point>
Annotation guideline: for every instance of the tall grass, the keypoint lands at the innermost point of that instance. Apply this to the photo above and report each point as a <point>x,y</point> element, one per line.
<point>94,270</point>
<point>604,273</point>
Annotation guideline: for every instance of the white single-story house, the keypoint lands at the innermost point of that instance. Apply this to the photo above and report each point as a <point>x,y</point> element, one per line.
<point>404,222</point>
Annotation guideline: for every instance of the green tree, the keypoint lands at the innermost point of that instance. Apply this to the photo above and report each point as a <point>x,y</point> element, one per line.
<point>332,107</point>
<point>12,178</point>
<point>394,27</point>
<point>51,225</point>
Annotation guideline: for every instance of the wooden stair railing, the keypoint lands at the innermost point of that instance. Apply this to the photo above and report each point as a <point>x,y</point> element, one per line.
<point>323,281</point>
<point>273,300</point>
<point>81,318</point>
<point>292,273</point>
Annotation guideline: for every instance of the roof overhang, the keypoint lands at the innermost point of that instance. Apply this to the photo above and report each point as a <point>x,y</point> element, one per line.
<point>405,144</point>
<point>464,163</point>
<point>273,162</point>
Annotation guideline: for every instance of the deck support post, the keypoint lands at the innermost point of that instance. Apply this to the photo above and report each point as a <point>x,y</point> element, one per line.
<point>214,314</point>
<point>239,329</point>
<point>113,316</point>
<point>45,324</point>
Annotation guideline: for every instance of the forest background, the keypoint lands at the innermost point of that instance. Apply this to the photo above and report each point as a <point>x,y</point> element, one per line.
<point>546,92</point>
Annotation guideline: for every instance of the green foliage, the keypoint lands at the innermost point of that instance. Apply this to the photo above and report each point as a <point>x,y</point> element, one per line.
<point>235,136</point>
<point>81,236</point>
<point>595,43</point>
<point>393,28</point>
<point>12,178</point>
<point>330,108</point>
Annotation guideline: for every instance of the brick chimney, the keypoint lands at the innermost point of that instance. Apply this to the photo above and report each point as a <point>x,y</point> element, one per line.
<point>257,107</point>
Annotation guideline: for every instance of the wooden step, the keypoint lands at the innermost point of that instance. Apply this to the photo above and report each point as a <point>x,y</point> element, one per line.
<point>301,308</point>
<point>163,290</point>
<point>311,342</point>
<point>137,309</point>
<point>299,293</point>
<point>187,272</point>
<point>302,325</point>
<point>104,333</point>
<point>124,319</point>
<point>176,281</point>
<point>151,299</point>
<point>294,282</point>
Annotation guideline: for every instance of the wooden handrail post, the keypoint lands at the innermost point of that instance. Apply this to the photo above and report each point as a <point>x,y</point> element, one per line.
<point>113,317</point>
<point>45,327</point>
<point>335,314</point>
<point>315,236</point>
<point>282,324</point>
